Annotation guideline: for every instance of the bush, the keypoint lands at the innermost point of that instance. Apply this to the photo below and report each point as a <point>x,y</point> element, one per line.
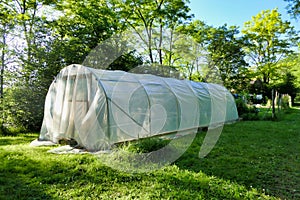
<point>10,130</point>
<point>297,98</point>
<point>3,130</point>
<point>246,112</point>
<point>241,106</point>
<point>285,104</point>
<point>24,107</point>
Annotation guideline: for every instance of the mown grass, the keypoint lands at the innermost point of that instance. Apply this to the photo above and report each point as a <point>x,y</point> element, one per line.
<point>256,154</point>
<point>252,160</point>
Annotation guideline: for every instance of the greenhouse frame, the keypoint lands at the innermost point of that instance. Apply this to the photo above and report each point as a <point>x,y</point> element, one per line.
<point>99,108</point>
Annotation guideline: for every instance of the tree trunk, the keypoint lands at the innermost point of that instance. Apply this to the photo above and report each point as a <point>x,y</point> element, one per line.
<point>273,104</point>
<point>150,46</point>
<point>171,48</point>
<point>2,78</point>
<point>2,67</point>
<point>160,42</point>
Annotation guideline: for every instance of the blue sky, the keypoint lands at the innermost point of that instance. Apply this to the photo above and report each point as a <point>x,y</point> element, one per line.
<point>235,12</point>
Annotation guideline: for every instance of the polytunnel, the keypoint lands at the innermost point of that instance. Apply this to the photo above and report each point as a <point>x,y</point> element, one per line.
<point>98,108</point>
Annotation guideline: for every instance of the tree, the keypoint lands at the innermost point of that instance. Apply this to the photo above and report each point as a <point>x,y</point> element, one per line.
<point>91,33</point>
<point>188,57</point>
<point>6,26</point>
<point>293,7</point>
<point>25,44</point>
<point>63,35</point>
<point>82,25</point>
<point>151,19</point>
<point>191,53</point>
<point>220,53</point>
<point>288,86</point>
<point>289,82</point>
<point>226,54</point>
<point>126,62</point>
<point>269,39</point>
<point>294,62</point>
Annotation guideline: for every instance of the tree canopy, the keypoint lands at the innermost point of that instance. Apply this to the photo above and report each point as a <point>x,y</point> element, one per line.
<point>38,38</point>
<point>293,7</point>
<point>268,40</point>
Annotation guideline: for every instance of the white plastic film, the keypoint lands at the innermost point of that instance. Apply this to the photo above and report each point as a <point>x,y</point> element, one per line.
<point>98,108</point>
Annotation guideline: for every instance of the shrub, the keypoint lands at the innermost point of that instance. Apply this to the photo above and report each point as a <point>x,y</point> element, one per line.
<point>246,112</point>
<point>4,131</point>
<point>241,106</point>
<point>285,102</point>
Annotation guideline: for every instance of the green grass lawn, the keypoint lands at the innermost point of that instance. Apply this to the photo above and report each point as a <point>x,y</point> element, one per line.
<point>252,160</point>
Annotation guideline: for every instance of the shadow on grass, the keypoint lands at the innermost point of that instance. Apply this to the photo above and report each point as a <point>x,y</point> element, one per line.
<point>19,178</point>
<point>18,139</point>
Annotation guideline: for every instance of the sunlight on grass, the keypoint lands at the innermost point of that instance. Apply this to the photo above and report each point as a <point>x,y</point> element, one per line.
<point>252,160</point>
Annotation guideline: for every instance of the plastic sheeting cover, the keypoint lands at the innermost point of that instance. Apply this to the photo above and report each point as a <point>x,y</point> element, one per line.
<point>98,108</point>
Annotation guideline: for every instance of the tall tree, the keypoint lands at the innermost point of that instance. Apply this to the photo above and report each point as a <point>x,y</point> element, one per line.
<point>269,39</point>
<point>185,56</point>
<point>6,27</point>
<point>287,77</point>
<point>82,25</point>
<point>32,41</point>
<point>226,54</point>
<point>151,19</point>
<point>54,34</point>
<point>222,55</point>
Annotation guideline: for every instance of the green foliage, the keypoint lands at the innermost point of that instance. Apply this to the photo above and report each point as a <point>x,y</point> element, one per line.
<point>250,116</point>
<point>3,130</point>
<point>293,8</point>
<point>226,53</point>
<point>288,86</point>
<point>241,106</point>
<point>152,20</point>
<point>295,69</point>
<point>54,34</point>
<point>222,50</point>
<point>126,62</point>
<point>50,43</point>
<point>245,111</point>
<point>285,104</point>
<point>268,39</point>
<point>25,107</point>
<point>10,130</point>
<point>83,25</point>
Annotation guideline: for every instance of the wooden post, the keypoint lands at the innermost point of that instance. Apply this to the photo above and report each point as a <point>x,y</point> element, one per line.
<point>278,100</point>
<point>273,104</point>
